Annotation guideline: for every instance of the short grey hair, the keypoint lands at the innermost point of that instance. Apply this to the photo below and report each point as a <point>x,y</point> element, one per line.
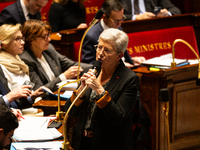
<point>117,38</point>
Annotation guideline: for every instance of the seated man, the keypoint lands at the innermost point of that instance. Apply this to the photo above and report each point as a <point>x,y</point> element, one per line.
<point>146,9</point>
<point>8,123</point>
<point>22,10</point>
<point>112,18</point>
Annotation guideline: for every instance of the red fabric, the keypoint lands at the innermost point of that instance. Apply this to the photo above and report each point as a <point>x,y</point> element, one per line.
<point>92,7</point>
<point>76,51</point>
<point>159,42</point>
<point>45,10</point>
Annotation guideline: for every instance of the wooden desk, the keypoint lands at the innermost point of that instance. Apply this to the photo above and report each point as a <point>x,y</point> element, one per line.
<point>183,106</point>
<point>49,107</point>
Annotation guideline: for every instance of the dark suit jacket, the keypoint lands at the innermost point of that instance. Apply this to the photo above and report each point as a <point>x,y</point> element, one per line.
<point>91,39</point>
<point>112,125</point>
<point>57,62</point>
<point>13,14</point>
<point>21,103</point>
<point>150,5</point>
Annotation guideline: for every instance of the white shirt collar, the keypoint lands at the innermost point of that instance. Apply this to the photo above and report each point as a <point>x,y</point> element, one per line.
<point>104,26</point>
<point>24,9</point>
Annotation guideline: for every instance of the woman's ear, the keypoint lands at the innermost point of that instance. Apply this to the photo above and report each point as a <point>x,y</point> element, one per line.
<point>120,55</point>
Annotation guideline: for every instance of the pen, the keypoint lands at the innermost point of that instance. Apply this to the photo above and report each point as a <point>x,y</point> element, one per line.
<point>19,115</point>
<point>183,64</point>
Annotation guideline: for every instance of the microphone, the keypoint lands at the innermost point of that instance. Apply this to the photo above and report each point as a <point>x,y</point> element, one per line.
<point>173,64</point>
<point>96,67</point>
<point>66,145</point>
<point>97,16</point>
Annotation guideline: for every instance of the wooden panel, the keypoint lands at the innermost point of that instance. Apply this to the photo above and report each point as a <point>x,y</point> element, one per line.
<point>185,109</point>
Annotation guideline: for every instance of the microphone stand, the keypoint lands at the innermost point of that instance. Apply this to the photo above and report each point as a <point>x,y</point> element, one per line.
<point>173,64</point>
<point>93,22</point>
<point>66,144</point>
<point>59,113</point>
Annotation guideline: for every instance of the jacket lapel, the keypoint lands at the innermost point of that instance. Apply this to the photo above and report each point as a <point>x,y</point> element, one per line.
<point>21,16</point>
<point>52,64</point>
<point>116,77</point>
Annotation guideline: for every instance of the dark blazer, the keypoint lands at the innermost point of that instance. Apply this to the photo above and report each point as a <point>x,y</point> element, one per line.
<point>150,5</point>
<point>57,62</point>
<point>112,125</point>
<point>13,14</point>
<point>21,103</point>
<point>91,39</point>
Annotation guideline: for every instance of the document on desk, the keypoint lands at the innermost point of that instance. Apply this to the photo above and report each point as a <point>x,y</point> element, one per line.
<point>35,129</point>
<point>164,60</point>
<point>53,145</point>
<point>70,87</point>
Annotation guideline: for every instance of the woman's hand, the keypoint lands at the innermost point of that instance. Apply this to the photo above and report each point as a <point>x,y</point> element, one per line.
<point>17,113</point>
<point>19,92</point>
<point>39,92</point>
<point>82,25</point>
<point>72,72</point>
<point>90,80</point>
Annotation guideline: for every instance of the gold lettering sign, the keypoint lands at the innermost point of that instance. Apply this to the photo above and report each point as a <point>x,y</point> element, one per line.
<point>149,47</point>
<point>43,16</point>
<point>91,10</point>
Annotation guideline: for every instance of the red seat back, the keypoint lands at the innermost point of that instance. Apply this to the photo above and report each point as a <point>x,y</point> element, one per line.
<point>92,7</point>
<point>45,10</point>
<point>159,42</point>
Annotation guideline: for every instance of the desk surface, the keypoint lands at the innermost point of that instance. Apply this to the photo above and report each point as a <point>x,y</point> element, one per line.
<point>49,107</point>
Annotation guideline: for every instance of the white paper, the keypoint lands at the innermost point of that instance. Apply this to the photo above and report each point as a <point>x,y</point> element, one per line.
<point>164,60</point>
<point>70,86</point>
<point>54,145</point>
<point>35,129</point>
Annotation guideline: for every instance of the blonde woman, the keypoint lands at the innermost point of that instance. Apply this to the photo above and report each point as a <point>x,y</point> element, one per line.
<point>67,14</point>
<point>13,71</point>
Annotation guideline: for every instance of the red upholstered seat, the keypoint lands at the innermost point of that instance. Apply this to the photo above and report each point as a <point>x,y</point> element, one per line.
<point>76,51</point>
<point>159,42</point>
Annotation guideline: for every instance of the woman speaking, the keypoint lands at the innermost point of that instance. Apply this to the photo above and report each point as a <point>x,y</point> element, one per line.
<point>104,110</point>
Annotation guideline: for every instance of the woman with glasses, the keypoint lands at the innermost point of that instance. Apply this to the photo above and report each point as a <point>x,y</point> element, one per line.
<point>13,71</point>
<point>47,67</point>
<point>104,110</point>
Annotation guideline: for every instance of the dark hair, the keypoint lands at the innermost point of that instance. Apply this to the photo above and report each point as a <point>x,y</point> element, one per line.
<point>8,121</point>
<point>111,5</point>
<point>33,28</point>
<point>64,2</point>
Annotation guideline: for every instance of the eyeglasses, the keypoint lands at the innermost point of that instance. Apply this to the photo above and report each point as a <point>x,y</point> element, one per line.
<point>20,39</point>
<point>46,37</point>
<point>105,51</point>
<point>117,21</point>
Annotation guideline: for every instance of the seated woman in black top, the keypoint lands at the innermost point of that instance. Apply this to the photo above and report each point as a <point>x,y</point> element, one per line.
<point>67,14</point>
